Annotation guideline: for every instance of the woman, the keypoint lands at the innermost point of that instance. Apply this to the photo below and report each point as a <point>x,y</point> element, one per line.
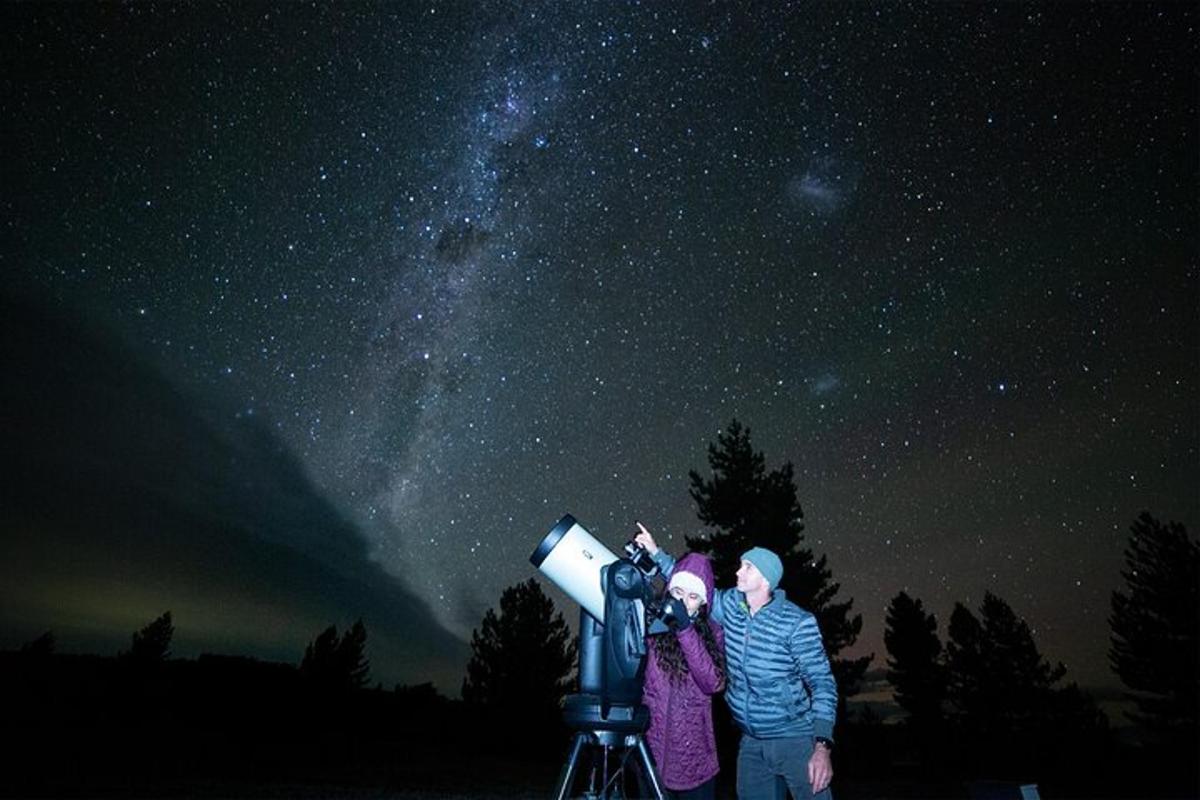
<point>685,668</point>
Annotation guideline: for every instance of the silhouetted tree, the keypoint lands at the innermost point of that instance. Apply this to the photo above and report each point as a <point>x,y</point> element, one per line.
<point>522,658</point>
<point>966,670</point>
<point>320,657</point>
<point>1009,708</point>
<point>153,642</point>
<point>749,506</point>
<point>998,678</point>
<point>421,693</point>
<point>1154,644</point>
<point>352,655</point>
<point>41,646</point>
<point>333,662</point>
<point>915,668</point>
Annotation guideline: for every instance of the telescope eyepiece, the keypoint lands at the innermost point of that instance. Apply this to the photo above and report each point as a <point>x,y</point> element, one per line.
<point>641,558</point>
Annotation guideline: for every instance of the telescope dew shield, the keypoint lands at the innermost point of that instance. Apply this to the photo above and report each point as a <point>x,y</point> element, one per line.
<point>573,559</point>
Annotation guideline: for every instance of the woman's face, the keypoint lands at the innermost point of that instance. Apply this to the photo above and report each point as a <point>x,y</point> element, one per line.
<point>692,600</point>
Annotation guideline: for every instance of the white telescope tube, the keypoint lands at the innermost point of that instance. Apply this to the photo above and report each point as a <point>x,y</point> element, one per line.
<point>573,559</point>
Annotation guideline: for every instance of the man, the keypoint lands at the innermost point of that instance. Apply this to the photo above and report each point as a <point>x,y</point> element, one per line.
<point>780,689</point>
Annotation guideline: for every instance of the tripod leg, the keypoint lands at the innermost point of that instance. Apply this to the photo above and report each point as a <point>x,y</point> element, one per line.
<point>564,783</point>
<point>648,765</point>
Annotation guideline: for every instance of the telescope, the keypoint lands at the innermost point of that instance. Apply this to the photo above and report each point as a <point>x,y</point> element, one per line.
<point>619,605</point>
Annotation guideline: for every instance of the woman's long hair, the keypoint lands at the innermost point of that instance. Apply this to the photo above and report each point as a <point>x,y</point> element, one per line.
<point>669,652</point>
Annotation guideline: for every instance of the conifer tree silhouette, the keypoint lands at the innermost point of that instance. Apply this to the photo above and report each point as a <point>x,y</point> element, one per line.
<point>999,681</point>
<point>522,657</point>
<point>748,506</point>
<point>915,668</point>
<point>153,642</point>
<point>352,656</point>
<point>337,663</point>
<point>1009,707</point>
<point>1154,647</point>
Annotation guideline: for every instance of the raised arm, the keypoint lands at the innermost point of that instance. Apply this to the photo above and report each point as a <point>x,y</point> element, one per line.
<point>666,562</point>
<point>704,670</point>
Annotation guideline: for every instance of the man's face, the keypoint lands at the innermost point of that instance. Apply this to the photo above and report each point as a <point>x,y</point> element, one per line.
<point>692,600</point>
<point>749,579</point>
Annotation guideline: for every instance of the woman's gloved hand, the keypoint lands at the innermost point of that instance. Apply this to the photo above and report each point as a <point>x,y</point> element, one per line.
<point>675,614</point>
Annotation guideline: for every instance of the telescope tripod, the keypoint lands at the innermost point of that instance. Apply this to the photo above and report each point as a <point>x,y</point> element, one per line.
<point>613,734</point>
<point>603,783</point>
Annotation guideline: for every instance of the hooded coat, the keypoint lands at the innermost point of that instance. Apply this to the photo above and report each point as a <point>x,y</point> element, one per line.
<point>680,735</point>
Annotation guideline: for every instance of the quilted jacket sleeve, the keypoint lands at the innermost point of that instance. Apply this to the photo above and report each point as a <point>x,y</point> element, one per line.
<point>704,672</point>
<point>809,651</point>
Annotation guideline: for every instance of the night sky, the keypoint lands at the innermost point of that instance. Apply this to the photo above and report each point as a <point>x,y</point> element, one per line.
<point>318,312</point>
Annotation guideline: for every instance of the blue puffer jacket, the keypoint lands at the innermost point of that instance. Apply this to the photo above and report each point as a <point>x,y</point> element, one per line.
<point>778,677</point>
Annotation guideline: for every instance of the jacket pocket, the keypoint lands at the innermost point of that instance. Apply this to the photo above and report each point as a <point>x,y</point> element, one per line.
<point>799,700</point>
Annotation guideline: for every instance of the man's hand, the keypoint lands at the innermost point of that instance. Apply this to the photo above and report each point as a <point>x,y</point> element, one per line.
<point>820,768</point>
<point>644,538</point>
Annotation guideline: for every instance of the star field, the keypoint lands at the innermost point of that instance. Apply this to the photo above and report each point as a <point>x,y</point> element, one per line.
<point>479,266</point>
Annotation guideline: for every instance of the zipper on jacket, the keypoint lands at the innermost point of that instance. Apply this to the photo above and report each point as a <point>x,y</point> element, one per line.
<point>746,670</point>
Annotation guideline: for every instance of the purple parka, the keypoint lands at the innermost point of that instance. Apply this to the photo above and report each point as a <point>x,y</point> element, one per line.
<point>680,735</point>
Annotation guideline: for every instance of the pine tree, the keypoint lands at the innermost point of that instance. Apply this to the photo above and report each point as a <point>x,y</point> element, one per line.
<point>1154,644</point>
<point>915,668</point>
<point>318,666</point>
<point>966,668</point>
<point>522,658</point>
<point>998,676</point>
<point>749,506</point>
<point>335,663</point>
<point>153,642</point>
<point>1007,701</point>
<point>352,656</point>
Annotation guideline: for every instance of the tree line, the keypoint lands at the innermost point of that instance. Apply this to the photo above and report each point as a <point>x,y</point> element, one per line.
<point>331,662</point>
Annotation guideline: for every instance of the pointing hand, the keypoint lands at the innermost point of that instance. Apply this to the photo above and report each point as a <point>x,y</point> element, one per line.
<point>644,539</point>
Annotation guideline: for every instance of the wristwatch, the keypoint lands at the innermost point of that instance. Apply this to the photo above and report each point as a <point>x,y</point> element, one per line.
<point>821,740</point>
